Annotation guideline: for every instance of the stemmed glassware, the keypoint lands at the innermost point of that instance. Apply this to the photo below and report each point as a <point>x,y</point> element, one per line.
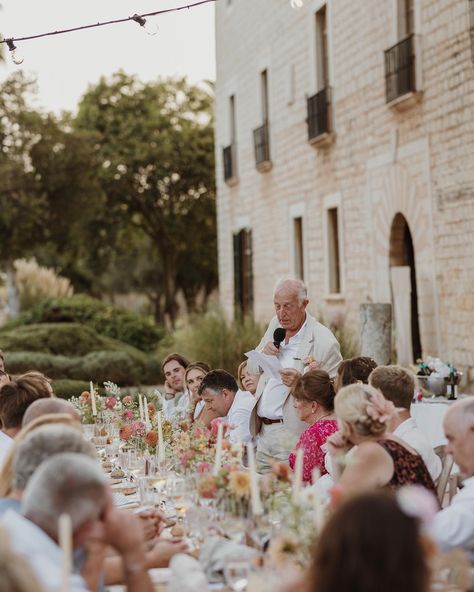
<point>236,574</point>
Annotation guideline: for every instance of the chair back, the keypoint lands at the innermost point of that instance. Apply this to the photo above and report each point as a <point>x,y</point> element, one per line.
<point>443,480</point>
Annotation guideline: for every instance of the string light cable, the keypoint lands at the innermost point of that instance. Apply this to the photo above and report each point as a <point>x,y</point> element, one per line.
<point>140,19</point>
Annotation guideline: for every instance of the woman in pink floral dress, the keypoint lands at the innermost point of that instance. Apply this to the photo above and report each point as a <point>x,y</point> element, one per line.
<point>314,400</point>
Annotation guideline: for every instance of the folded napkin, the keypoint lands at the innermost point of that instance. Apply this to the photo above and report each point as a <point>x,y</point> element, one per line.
<point>187,575</point>
<point>218,551</point>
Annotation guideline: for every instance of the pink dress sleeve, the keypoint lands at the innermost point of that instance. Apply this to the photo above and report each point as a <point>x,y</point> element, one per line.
<point>311,441</point>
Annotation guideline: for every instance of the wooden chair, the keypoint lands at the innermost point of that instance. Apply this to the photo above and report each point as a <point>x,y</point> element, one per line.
<point>444,478</point>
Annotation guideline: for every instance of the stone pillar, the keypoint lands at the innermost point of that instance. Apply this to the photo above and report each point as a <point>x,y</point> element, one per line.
<point>376,331</point>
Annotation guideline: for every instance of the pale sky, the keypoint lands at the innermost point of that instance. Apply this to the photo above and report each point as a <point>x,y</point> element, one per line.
<point>65,65</point>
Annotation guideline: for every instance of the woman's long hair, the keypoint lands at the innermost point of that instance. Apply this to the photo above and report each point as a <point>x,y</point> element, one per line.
<point>370,545</point>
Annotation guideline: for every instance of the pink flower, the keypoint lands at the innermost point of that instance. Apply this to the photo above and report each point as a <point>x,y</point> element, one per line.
<point>127,400</point>
<point>215,423</point>
<point>110,402</point>
<point>313,366</point>
<point>379,408</point>
<point>127,414</point>
<point>139,428</point>
<point>203,467</point>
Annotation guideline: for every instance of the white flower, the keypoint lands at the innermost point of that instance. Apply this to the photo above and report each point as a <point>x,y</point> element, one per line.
<point>296,3</point>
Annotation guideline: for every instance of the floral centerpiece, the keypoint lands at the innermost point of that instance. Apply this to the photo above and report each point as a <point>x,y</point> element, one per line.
<point>83,405</point>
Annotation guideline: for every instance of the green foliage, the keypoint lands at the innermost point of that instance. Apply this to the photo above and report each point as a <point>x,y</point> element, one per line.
<point>108,320</point>
<point>212,339</point>
<point>347,339</point>
<point>66,388</point>
<point>156,148</point>
<point>71,350</point>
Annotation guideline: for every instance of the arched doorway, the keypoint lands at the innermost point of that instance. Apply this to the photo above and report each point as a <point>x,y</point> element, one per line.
<point>402,254</point>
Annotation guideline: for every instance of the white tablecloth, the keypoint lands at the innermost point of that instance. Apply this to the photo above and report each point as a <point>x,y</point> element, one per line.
<point>429,415</point>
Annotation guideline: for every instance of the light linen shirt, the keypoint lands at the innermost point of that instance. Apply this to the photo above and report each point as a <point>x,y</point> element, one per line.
<point>453,527</point>
<point>239,415</point>
<point>270,404</point>
<point>5,444</point>
<point>175,407</point>
<point>41,553</point>
<point>410,433</point>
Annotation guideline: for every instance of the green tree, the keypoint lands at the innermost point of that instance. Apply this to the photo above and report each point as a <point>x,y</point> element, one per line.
<point>49,190</point>
<point>156,150</point>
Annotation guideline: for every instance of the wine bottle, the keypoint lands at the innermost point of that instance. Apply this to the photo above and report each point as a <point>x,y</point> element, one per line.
<point>452,384</point>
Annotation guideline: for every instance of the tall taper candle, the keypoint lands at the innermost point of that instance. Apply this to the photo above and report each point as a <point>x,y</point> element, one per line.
<point>218,457</point>
<point>160,450</point>
<point>298,474</point>
<point>257,508</point>
<point>65,543</point>
<point>140,407</point>
<point>147,416</point>
<point>93,401</point>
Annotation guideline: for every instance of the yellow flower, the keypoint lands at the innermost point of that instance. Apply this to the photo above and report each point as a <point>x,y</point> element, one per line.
<point>239,484</point>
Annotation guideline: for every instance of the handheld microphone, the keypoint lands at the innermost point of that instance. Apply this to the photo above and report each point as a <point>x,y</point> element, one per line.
<point>278,336</point>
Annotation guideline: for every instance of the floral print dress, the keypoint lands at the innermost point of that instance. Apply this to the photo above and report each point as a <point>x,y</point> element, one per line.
<point>311,441</point>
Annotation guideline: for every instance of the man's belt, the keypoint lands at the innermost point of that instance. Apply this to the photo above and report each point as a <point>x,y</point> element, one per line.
<point>267,421</point>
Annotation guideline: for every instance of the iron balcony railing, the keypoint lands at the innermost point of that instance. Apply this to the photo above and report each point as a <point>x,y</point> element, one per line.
<point>400,76</point>
<point>261,145</point>
<point>319,113</point>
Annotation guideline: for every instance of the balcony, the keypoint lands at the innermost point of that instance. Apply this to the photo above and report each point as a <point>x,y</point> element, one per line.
<point>230,166</point>
<point>319,116</point>
<point>261,144</point>
<point>402,70</point>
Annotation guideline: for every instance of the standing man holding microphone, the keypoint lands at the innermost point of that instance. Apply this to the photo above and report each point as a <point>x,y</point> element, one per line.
<point>300,343</point>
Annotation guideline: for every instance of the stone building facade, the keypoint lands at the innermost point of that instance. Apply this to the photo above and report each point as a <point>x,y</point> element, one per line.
<point>345,154</point>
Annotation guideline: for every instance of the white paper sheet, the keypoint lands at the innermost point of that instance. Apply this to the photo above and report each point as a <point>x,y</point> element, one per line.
<point>269,364</point>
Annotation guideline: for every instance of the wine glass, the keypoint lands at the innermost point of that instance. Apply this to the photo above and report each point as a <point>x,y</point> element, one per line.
<point>261,532</point>
<point>236,574</point>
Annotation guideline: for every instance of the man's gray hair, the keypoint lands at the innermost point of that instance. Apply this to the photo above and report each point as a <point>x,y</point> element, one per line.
<point>463,411</point>
<point>292,283</point>
<point>47,406</point>
<point>41,444</point>
<point>67,483</point>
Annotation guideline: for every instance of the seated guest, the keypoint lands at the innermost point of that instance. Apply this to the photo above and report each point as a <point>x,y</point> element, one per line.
<point>15,573</point>
<point>197,409</point>
<point>353,371</point>
<point>47,407</point>
<point>6,471</point>
<point>39,445</point>
<point>219,390</point>
<point>173,368</point>
<point>380,459</point>
<point>314,401</point>
<point>74,484</point>
<point>247,381</point>
<point>15,398</point>
<point>454,526</point>
<point>46,441</point>
<point>398,385</point>
<point>370,545</point>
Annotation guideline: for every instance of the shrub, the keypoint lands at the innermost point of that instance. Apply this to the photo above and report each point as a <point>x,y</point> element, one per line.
<point>69,350</point>
<point>212,339</point>
<point>108,320</point>
<point>35,283</point>
<point>66,389</point>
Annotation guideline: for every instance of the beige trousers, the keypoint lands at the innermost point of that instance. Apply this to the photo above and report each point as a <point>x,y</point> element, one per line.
<point>274,442</point>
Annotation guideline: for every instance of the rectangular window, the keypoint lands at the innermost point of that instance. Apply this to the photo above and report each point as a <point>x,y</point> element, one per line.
<point>298,245</point>
<point>334,259</point>
<point>243,273</point>
<point>233,132</point>
<point>322,65</point>
<point>264,94</point>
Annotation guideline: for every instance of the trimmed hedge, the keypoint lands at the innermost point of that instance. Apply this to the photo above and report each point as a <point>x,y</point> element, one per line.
<point>72,351</point>
<point>66,389</point>
<point>106,319</point>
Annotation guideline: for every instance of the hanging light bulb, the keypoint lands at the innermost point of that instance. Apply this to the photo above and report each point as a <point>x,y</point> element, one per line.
<point>16,57</point>
<point>150,28</point>
<point>296,3</point>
